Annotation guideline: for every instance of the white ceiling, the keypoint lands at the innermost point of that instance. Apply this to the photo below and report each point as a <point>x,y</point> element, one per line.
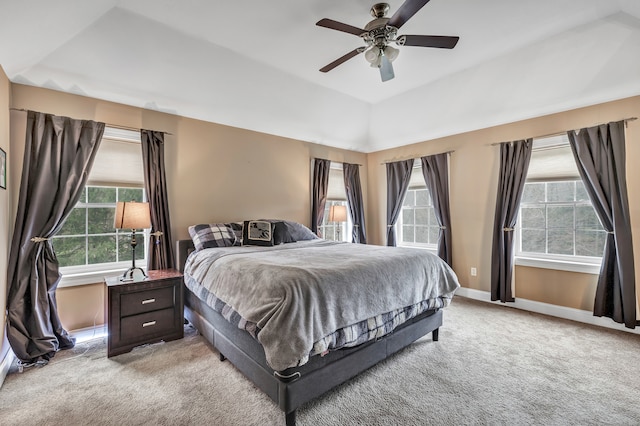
<point>254,64</point>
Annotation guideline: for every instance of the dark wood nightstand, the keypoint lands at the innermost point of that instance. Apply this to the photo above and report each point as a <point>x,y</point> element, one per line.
<point>143,312</point>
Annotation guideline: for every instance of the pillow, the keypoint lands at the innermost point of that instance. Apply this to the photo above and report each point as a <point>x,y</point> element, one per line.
<point>212,235</point>
<point>296,231</point>
<point>237,228</point>
<point>281,234</point>
<point>257,233</point>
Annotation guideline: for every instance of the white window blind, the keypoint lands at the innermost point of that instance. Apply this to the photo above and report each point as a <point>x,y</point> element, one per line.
<point>119,160</point>
<point>417,178</point>
<point>552,159</point>
<point>335,190</point>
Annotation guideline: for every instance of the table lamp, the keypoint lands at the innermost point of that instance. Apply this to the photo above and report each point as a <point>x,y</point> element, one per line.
<point>338,214</point>
<point>132,215</point>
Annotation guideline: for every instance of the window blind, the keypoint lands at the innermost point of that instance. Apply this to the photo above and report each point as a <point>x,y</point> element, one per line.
<point>119,160</point>
<point>336,190</point>
<point>552,159</point>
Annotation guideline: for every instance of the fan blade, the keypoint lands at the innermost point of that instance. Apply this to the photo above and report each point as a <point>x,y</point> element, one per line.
<point>339,26</point>
<point>341,59</point>
<point>444,42</point>
<point>386,69</point>
<point>406,11</point>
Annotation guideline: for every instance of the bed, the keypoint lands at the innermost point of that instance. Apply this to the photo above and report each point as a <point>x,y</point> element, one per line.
<point>299,315</point>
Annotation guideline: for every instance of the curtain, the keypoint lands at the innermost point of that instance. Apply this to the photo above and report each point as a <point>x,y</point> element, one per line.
<point>435,169</point>
<point>514,162</point>
<point>58,155</point>
<point>600,155</point>
<point>160,255</point>
<point>398,176</point>
<point>320,185</point>
<point>354,200</point>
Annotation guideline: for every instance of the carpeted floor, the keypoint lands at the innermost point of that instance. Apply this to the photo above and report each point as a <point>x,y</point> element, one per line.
<point>492,365</point>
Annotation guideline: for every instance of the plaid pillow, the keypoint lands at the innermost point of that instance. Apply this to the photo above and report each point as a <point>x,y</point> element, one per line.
<point>212,235</point>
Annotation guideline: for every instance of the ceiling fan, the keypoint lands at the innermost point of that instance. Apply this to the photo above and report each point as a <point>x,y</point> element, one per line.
<point>381,32</point>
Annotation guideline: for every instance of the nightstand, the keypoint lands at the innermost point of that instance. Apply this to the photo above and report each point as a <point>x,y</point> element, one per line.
<point>140,312</point>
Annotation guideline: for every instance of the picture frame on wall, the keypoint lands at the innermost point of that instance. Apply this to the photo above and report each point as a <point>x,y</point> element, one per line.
<point>3,169</point>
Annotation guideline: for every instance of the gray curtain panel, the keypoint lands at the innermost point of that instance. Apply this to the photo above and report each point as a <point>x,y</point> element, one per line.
<point>435,169</point>
<point>160,255</point>
<point>58,155</point>
<point>398,177</point>
<point>320,185</point>
<point>600,155</point>
<point>514,162</point>
<point>353,189</point>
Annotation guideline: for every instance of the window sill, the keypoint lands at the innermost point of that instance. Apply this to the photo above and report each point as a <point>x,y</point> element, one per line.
<point>93,277</point>
<point>433,250</point>
<point>559,265</point>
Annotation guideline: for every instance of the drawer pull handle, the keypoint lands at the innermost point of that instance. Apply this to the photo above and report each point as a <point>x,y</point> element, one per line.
<point>144,302</point>
<point>148,324</point>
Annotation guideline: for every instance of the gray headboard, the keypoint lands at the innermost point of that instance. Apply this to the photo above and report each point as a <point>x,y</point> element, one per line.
<point>183,249</point>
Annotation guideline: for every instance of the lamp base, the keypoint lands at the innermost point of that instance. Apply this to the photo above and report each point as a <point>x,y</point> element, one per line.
<point>130,275</point>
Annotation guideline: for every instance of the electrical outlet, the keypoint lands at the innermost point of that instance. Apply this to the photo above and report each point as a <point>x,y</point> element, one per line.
<point>474,272</point>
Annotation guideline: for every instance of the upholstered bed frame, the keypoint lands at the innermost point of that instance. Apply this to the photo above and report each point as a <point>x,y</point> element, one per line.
<point>293,387</point>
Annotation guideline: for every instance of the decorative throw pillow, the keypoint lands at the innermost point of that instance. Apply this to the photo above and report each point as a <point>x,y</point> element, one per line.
<point>212,235</point>
<point>281,234</point>
<point>237,228</point>
<point>296,231</point>
<point>257,233</point>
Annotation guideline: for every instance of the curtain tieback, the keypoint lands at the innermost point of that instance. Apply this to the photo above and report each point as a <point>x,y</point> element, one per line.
<point>611,232</point>
<point>507,229</point>
<point>157,234</point>
<point>39,239</point>
<point>389,226</point>
<point>443,227</point>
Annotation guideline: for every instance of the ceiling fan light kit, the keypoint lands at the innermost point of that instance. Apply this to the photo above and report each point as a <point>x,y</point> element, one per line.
<point>381,32</point>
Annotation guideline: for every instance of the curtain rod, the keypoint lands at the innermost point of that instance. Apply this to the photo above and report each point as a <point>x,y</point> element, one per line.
<point>626,120</point>
<point>340,162</point>
<point>414,157</point>
<point>115,126</point>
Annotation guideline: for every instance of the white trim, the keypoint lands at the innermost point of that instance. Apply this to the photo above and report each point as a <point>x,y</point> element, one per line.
<point>6,363</point>
<point>89,333</point>
<point>560,265</point>
<point>93,277</point>
<point>572,314</point>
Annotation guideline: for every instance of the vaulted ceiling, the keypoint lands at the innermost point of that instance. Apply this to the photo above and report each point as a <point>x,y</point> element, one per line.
<point>254,64</point>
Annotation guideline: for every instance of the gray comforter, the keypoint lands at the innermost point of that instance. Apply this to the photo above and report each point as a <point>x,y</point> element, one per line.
<point>298,293</point>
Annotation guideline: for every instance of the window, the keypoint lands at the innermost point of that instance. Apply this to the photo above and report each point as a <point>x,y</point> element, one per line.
<point>336,231</point>
<point>88,236</point>
<point>417,223</point>
<point>336,196</point>
<point>557,220</point>
<point>88,247</point>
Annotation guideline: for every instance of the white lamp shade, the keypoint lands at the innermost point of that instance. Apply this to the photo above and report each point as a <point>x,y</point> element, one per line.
<point>132,215</point>
<point>391,53</point>
<point>372,54</point>
<point>338,214</point>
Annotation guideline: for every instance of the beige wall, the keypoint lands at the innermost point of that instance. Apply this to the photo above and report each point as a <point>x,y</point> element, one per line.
<point>220,173</point>
<point>5,101</point>
<point>215,173</point>
<point>474,174</point>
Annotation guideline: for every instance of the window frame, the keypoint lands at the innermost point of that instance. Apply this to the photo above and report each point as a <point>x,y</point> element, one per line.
<point>422,186</point>
<point>562,262</point>
<point>94,273</point>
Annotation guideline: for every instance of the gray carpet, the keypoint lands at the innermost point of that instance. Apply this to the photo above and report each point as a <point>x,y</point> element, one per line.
<point>492,365</point>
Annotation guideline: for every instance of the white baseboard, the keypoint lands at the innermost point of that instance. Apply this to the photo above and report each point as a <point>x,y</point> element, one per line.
<point>548,309</point>
<point>5,365</point>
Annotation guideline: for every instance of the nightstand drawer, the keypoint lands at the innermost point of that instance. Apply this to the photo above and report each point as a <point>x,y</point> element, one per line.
<point>156,322</point>
<point>146,301</point>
